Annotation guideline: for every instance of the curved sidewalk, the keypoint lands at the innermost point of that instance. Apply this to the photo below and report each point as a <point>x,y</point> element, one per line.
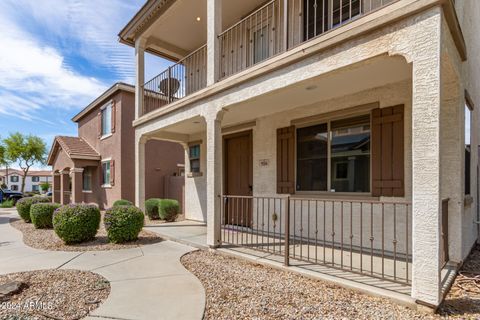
<point>147,282</point>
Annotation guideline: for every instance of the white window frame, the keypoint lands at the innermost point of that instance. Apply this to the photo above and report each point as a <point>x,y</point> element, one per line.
<point>16,180</point>
<point>106,184</point>
<point>103,110</point>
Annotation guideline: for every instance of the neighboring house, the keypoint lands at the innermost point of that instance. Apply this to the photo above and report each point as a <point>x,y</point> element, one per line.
<point>98,165</point>
<point>32,183</point>
<point>338,128</point>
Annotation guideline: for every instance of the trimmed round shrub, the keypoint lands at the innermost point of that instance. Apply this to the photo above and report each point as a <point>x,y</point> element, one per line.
<point>168,209</point>
<point>76,223</point>
<point>23,206</point>
<point>122,202</point>
<point>123,223</point>
<point>151,208</point>
<point>41,214</point>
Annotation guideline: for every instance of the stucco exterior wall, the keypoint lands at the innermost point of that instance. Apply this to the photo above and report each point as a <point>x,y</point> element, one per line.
<point>422,40</point>
<point>120,147</point>
<point>468,12</point>
<point>163,157</point>
<point>265,177</point>
<point>196,186</point>
<point>109,147</point>
<point>28,182</point>
<point>62,162</point>
<point>402,38</point>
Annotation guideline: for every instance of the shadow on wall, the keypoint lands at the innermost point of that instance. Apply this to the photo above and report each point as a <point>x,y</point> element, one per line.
<point>201,192</point>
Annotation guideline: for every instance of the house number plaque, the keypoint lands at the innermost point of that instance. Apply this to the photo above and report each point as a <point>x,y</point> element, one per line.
<point>264,162</point>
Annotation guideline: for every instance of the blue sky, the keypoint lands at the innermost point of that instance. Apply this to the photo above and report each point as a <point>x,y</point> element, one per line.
<point>56,56</point>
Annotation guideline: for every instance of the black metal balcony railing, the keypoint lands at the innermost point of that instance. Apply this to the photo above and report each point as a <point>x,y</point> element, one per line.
<point>275,27</point>
<point>372,238</point>
<point>178,81</point>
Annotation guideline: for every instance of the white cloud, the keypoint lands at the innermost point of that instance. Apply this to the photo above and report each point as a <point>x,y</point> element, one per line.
<point>87,27</point>
<point>33,75</point>
<point>39,52</point>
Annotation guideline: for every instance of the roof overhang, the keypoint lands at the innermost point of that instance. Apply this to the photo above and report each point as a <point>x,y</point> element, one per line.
<point>56,146</point>
<point>109,92</point>
<point>142,20</point>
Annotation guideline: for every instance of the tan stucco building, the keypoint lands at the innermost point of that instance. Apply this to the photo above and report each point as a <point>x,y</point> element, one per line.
<point>337,134</point>
<point>98,165</point>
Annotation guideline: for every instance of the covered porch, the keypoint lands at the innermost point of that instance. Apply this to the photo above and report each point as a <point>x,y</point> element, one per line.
<point>76,168</point>
<point>355,165</point>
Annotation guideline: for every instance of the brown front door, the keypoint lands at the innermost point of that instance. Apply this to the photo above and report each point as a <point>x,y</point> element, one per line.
<point>238,178</point>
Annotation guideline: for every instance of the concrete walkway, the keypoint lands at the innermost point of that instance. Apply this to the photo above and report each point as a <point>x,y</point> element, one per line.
<point>148,282</point>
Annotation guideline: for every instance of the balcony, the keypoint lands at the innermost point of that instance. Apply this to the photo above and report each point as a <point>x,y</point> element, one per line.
<point>266,31</point>
<point>178,81</point>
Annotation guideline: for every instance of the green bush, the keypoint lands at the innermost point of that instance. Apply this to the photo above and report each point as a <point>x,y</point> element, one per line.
<point>151,208</point>
<point>165,209</point>
<point>23,206</point>
<point>41,214</point>
<point>168,209</point>
<point>122,202</point>
<point>75,223</point>
<point>7,204</point>
<point>123,223</point>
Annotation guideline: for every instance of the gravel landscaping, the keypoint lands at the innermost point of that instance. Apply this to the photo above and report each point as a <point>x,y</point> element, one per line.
<point>238,289</point>
<point>47,239</point>
<point>53,294</point>
<point>463,300</point>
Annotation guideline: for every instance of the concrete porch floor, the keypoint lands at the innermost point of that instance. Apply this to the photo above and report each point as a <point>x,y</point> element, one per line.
<point>188,232</point>
<point>194,233</point>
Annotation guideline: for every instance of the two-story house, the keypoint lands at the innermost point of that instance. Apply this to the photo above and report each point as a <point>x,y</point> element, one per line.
<point>13,178</point>
<point>332,132</point>
<point>98,165</point>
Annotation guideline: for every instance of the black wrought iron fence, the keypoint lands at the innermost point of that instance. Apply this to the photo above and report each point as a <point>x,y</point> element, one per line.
<point>366,237</point>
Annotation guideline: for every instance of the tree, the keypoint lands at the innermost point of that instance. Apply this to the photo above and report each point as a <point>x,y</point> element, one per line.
<point>45,186</point>
<point>26,150</point>
<point>4,161</point>
<point>2,154</point>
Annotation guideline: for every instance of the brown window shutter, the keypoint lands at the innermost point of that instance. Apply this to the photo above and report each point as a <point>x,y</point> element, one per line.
<point>286,160</point>
<point>99,116</point>
<point>112,172</point>
<point>387,152</point>
<point>114,115</point>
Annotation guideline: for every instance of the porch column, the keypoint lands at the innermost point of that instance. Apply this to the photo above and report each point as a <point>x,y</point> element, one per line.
<point>426,211</point>
<point>77,185</point>
<point>140,172</point>
<point>139,75</point>
<point>214,180</point>
<point>56,192</point>
<point>64,187</point>
<point>214,28</point>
